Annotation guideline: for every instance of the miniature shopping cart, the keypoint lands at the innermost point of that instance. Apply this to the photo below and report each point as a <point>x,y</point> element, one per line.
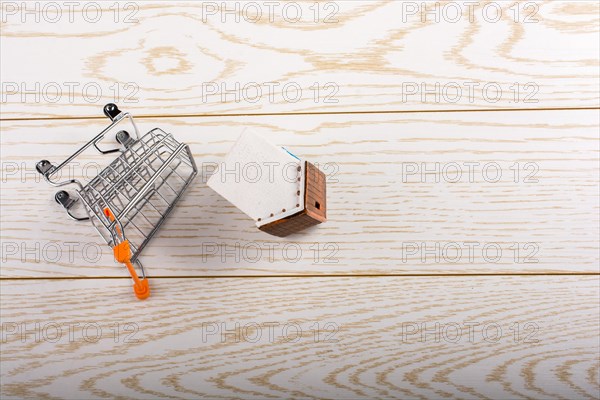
<point>129,200</point>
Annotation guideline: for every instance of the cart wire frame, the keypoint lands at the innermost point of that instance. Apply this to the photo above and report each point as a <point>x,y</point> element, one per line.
<point>129,200</point>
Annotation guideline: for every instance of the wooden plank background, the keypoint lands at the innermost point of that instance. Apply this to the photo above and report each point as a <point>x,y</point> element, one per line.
<point>392,320</point>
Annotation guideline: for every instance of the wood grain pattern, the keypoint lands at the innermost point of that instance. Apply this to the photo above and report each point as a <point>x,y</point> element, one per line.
<point>374,355</point>
<point>377,53</point>
<point>378,211</point>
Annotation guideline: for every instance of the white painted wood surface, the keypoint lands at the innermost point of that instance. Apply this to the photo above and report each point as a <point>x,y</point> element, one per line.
<point>173,58</point>
<point>375,351</point>
<point>203,263</point>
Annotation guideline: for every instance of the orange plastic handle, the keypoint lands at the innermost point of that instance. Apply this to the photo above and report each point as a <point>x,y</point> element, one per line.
<point>110,216</point>
<point>122,252</point>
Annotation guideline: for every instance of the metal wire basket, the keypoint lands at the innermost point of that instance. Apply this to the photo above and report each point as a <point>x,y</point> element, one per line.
<point>129,199</point>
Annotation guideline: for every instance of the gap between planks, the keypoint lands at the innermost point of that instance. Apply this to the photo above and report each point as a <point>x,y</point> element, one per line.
<point>449,275</point>
<point>308,113</point>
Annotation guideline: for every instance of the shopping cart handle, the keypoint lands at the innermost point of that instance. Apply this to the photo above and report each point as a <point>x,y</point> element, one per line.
<point>122,253</point>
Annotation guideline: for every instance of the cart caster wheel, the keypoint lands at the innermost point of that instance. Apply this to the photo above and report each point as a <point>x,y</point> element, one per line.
<point>111,111</point>
<point>43,166</point>
<point>62,198</point>
<point>123,137</point>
